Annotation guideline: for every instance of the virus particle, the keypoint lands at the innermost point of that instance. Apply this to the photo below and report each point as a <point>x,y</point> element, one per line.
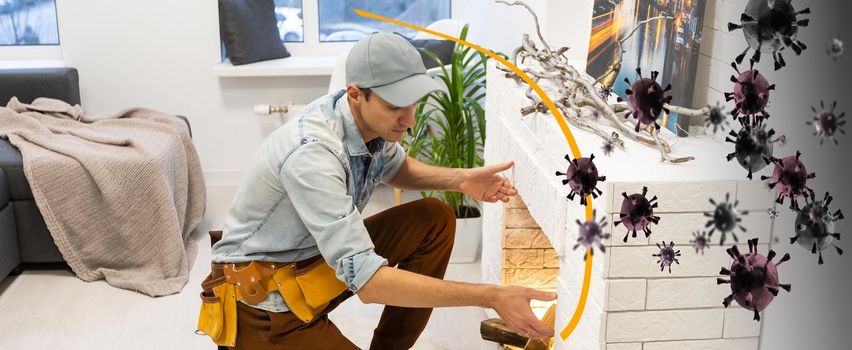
<point>582,177</point>
<point>667,256</point>
<point>752,145</point>
<point>591,234</point>
<point>751,92</point>
<point>753,278</point>
<point>835,48</point>
<point>608,147</point>
<point>637,213</point>
<point>700,242</point>
<point>815,226</point>
<point>827,123</point>
<point>646,100</point>
<point>773,213</point>
<point>725,218</point>
<point>605,92</point>
<point>716,117</point>
<point>770,27</point>
<point>790,179</point>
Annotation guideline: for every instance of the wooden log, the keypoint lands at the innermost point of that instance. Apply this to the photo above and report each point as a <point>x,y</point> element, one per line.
<point>497,331</point>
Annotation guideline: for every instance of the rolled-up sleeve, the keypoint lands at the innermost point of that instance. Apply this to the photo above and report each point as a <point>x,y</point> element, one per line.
<point>394,158</point>
<point>315,181</point>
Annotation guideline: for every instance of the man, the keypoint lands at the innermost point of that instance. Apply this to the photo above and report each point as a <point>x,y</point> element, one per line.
<point>301,201</point>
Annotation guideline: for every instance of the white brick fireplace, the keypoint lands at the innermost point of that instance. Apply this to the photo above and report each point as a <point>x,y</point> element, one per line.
<point>631,304</point>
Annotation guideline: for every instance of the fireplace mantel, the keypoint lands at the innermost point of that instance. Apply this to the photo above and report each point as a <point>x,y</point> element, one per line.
<point>631,304</point>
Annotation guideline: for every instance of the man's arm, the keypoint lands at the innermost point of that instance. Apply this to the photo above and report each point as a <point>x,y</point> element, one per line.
<point>391,286</point>
<point>415,175</point>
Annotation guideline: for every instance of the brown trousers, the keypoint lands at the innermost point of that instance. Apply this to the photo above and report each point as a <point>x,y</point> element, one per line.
<point>416,237</point>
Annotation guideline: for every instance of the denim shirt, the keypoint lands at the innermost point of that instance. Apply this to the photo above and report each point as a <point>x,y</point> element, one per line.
<point>303,194</point>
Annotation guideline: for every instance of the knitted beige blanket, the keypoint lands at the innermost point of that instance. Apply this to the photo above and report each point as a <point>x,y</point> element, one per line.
<point>120,194</point>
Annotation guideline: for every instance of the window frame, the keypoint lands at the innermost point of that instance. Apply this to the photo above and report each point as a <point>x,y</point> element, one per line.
<point>311,45</point>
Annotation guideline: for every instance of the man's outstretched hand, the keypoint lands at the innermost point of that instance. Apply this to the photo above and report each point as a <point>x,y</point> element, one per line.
<point>486,184</point>
<point>512,303</point>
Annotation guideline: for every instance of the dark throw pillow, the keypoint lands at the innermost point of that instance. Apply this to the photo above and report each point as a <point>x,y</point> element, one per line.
<point>441,48</point>
<point>249,30</point>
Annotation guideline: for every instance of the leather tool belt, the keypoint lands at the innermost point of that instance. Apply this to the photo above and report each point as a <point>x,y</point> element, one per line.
<point>307,286</point>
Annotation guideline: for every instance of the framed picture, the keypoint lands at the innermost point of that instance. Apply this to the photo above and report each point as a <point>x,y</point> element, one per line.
<point>667,45</point>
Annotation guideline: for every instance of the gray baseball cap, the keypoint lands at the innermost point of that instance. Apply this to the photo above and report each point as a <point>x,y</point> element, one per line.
<point>389,65</point>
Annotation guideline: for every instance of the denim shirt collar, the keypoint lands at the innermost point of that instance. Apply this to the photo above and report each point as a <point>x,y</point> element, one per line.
<point>351,134</point>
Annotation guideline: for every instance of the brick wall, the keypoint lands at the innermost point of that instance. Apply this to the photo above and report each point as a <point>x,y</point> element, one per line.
<point>528,257</point>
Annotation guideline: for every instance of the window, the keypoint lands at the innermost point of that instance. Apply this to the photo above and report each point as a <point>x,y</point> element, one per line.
<point>290,24</point>
<point>28,22</point>
<point>340,23</point>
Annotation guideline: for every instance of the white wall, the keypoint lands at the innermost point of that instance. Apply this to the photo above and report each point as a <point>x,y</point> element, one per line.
<point>160,54</point>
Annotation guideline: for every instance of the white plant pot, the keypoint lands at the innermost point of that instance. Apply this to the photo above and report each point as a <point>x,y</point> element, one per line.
<point>467,241</point>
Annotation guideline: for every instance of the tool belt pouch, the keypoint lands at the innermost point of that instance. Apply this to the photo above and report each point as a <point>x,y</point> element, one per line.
<point>218,315</point>
<point>308,290</point>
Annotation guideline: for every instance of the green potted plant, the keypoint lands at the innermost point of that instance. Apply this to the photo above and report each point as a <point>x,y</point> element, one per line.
<point>450,132</point>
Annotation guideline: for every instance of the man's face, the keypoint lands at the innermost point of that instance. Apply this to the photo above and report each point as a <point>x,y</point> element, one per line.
<point>379,118</point>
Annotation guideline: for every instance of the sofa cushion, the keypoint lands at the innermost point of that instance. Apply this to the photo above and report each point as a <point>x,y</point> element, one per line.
<point>4,190</point>
<point>29,84</point>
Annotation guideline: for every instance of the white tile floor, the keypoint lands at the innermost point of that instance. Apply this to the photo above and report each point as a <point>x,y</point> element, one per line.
<point>50,309</point>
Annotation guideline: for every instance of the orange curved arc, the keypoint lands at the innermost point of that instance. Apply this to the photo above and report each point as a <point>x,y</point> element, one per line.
<point>569,137</point>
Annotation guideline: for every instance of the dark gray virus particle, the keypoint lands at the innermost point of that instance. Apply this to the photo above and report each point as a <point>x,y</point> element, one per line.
<point>770,26</point>
<point>752,145</point>
<point>773,213</point>
<point>582,178</point>
<point>827,123</point>
<point>700,241</point>
<point>751,92</point>
<point>725,218</point>
<point>790,179</point>
<point>646,100</point>
<point>605,92</point>
<point>591,234</point>
<point>637,213</point>
<point>815,226</point>
<point>716,117</point>
<point>607,148</point>
<point>667,256</point>
<point>753,278</point>
<point>834,48</point>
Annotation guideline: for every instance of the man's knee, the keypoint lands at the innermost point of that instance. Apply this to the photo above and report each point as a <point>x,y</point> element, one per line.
<point>439,213</point>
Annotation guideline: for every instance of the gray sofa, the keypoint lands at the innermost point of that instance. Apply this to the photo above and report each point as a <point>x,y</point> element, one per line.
<point>24,238</point>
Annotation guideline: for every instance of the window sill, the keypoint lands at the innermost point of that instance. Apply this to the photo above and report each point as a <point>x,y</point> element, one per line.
<point>284,67</point>
<point>31,64</point>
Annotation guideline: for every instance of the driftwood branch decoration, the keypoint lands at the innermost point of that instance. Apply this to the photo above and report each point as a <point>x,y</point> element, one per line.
<point>581,98</point>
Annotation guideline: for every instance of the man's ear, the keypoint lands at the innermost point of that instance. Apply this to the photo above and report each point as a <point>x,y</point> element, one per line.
<point>353,93</point>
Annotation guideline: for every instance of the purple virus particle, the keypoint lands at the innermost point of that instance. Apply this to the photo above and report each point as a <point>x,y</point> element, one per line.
<point>773,213</point>
<point>700,242</point>
<point>667,256</point>
<point>582,177</point>
<point>770,27</point>
<point>716,117</point>
<point>790,179</point>
<point>815,226</point>
<point>753,278</point>
<point>646,100</point>
<point>752,145</point>
<point>591,234</point>
<point>637,213</point>
<point>607,148</point>
<point>751,92</point>
<point>725,218</point>
<point>827,123</point>
<point>834,48</point>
